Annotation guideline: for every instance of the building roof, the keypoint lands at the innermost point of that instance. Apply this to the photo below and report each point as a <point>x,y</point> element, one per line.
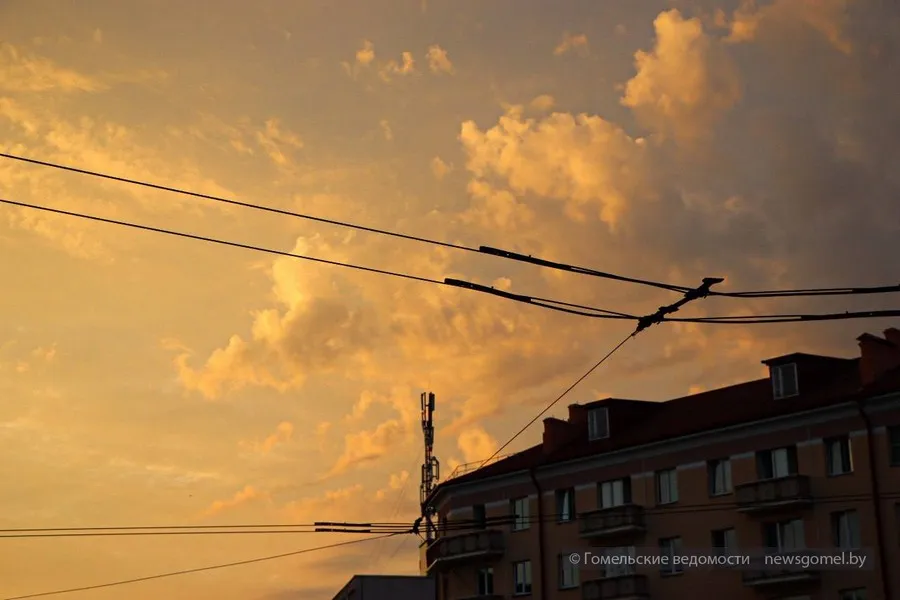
<point>828,381</point>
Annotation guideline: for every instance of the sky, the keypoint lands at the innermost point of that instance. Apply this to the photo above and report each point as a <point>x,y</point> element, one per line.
<point>148,380</point>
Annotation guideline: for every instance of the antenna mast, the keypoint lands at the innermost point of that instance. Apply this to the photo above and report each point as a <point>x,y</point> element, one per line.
<point>430,468</point>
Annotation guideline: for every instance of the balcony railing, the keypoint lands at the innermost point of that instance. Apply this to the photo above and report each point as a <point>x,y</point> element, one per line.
<point>624,587</point>
<point>465,547</point>
<point>784,575</point>
<point>768,494</point>
<point>612,521</point>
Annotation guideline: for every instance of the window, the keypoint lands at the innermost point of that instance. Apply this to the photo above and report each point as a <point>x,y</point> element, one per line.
<point>894,441</point>
<point>598,423</point>
<point>522,577</point>
<point>855,594</point>
<point>568,573</point>
<point>786,536</point>
<point>784,381</point>
<point>670,547</point>
<point>780,462</point>
<point>520,512</point>
<point>614,493</point>
<point>837,456</point>
<point>667,486</point>
<point>719,477</point>
<point>618,568</point>
<point>565,505</point>
<point>845,529</point>
<point>485,582</point>
<point>724,541</point>
<point>479,516</point>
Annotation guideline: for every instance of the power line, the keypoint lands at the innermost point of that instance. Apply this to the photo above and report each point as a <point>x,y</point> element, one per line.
<point>379,555</point>
<point>221,200</point>
<point>399,529</point>
<point>187,527</point>
<point>842,291</point>
<point>764,319</point>
<point>196,570</point>
<point>550,304</point>
<point>570,308</point>
<point>858,290</point>
<point>690,295</point>
<point>558,398</point>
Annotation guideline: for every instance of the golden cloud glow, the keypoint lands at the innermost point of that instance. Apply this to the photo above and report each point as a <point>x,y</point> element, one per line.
<point>572,43</point>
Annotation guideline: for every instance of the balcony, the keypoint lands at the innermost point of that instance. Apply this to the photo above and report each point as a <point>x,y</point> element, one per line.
<point>612,522</point>
<point>472,546</point>
<point>782,575</point>
<point>771,494</point>
<point>484,597</point>
<point>623,587</point>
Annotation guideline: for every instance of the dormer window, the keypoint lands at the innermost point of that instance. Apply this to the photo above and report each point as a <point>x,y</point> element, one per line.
<point>784,381</point>
<point>598,424</point>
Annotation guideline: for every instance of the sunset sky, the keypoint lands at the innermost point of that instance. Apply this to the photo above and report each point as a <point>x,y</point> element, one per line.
<point>150,380</point>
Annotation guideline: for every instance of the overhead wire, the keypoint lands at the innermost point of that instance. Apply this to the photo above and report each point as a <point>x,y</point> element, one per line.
<point>195,570</point>
<point>558,398</point>
<point>550,304</point>
<point>187,527</point>
<point>379,550</point>
<point>540,302</point>
<point>488,250</point>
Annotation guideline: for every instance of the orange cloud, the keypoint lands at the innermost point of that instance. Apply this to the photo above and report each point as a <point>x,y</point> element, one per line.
<point>282,434</point>
<point>21,71</point>
<point>476,444</point>
<point>247,495</point>
<point>572,42</point>
<point>438,61</point>
<point>686,83</point>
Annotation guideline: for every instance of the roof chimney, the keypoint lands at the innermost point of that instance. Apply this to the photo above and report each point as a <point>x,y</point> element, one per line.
<point>578,415</point>
<point>556,433</point>
<point>878,355</point>
<point>893,336</point>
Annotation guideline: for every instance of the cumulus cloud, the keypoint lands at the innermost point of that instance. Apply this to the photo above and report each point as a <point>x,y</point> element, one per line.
<point>572,43</point>
<point>581,160</point>
<point>684,85</point>
<point>310,331</point>
<point>438,61</point>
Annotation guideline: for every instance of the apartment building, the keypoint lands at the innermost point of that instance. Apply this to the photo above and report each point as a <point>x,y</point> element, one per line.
<point>806,458</point>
